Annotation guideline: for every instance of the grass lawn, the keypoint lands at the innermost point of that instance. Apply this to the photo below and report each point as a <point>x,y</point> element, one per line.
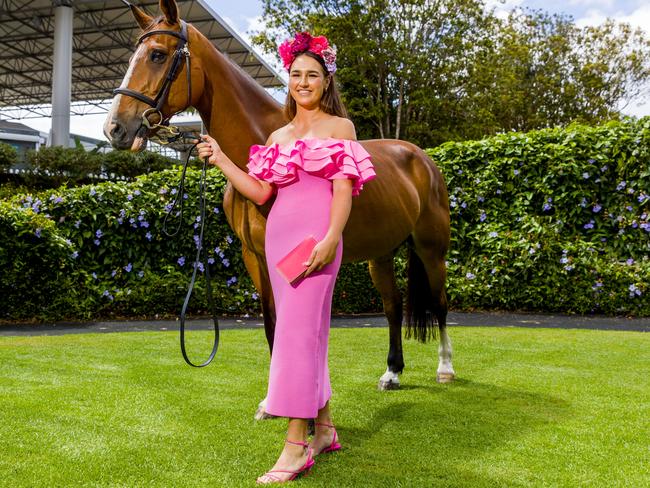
<point>530,407</point>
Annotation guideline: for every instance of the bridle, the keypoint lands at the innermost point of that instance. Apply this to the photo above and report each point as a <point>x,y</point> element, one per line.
<point>156,103</point>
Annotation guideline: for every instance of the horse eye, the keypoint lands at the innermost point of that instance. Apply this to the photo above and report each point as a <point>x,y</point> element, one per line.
<point>158,56</point>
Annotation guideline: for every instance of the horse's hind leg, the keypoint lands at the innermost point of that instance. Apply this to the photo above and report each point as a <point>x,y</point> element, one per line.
<point>431,248</point>
<point>382,273</point>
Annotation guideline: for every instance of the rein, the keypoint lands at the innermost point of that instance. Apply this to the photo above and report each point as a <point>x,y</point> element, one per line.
<point>172,134</point>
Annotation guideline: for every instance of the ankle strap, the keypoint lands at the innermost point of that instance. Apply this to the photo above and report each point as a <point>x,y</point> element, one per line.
<point>326,425</point>
<point>298,443</point>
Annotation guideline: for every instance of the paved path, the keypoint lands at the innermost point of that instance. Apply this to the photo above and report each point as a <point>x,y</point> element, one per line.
<point>455,319</point>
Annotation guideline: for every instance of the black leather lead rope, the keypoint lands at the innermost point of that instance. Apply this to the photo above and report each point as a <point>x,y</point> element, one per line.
<point>206,265</point>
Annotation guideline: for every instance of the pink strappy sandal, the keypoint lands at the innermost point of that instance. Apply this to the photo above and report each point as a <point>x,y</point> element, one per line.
<point>304,469</point>
<point>334,446</point>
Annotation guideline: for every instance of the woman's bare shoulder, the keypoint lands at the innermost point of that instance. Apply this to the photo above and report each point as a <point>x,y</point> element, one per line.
<point>277,135</point>
<point>343,128</point>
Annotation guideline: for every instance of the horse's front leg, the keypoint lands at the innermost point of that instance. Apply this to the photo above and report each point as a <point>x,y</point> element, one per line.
<point>382,273</point>
<point>256,267</point>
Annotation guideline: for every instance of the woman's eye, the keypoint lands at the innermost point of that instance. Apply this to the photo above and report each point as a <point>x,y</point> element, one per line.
<point>158,56</point>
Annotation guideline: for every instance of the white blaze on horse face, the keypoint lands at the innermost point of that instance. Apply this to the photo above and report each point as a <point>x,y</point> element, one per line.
<point>117,99</point>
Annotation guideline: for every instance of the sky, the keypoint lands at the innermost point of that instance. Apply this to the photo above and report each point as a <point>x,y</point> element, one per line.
<point>245,16</point>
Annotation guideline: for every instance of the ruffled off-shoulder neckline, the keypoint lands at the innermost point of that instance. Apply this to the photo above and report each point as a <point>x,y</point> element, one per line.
<point>326,157</point>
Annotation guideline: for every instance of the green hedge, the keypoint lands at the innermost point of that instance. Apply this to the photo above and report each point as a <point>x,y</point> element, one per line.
<point>122,263</point>
<point>553,220</point>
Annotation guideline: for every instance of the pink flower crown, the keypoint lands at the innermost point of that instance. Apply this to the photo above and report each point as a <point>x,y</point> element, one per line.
<point>303,41</point>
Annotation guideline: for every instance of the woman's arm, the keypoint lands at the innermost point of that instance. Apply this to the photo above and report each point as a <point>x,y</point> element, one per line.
<point>255,190</point>
<point>325,251</point>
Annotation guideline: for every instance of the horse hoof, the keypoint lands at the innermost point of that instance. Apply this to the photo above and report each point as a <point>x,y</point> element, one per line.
<point>445,377</point>
<point>388,385</point>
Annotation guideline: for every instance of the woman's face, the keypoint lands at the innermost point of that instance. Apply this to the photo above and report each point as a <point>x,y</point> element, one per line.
<point>307,82</point>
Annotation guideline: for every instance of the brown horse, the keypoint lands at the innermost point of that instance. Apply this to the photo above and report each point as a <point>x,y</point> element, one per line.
<point>406,202</point>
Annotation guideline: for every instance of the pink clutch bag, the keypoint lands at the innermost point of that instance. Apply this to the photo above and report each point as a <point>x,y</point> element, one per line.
<point>290,267</point>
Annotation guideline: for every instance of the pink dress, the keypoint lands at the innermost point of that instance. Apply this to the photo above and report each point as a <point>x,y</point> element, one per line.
<point>302,171</point>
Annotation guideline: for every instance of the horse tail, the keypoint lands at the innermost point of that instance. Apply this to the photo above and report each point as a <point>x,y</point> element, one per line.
<point>420,323</point>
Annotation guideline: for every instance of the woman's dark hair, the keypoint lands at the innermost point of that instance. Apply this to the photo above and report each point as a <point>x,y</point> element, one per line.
<point>330,102</point>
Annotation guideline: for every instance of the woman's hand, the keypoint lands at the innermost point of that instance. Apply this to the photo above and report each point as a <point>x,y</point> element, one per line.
<point>209,149</point>
<point>323,254</point>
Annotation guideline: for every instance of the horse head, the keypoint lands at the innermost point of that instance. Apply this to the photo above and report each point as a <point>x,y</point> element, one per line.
<point>157,84</point>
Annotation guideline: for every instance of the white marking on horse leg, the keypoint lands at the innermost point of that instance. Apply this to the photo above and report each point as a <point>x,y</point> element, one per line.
<point>445,372</point>
<point>389,380</point>
<point>261,414</point>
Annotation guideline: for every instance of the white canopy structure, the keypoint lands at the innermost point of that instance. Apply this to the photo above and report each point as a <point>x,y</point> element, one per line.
<point>63,57</point>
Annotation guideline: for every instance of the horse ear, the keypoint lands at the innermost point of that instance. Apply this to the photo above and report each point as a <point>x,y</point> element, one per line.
<point>141,17</point>
<point>169,10</point>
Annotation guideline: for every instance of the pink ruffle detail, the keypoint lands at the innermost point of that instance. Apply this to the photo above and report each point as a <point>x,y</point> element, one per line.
<point>329,158</point>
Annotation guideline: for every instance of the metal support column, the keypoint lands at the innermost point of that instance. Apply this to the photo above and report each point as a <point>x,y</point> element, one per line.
<point>61,73</point>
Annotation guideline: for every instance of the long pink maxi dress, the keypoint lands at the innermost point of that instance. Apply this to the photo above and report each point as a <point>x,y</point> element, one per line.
<point>302,172</point>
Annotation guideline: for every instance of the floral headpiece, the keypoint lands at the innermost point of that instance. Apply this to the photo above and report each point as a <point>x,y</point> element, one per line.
<point>303,41</point>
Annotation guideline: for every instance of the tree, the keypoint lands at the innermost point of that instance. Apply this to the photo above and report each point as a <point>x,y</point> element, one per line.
<point>435,70</point>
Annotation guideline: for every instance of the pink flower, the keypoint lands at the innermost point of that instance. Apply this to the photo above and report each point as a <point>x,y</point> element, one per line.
<point>301,42</point>
<point>318,44</point>
<point>285,53</point>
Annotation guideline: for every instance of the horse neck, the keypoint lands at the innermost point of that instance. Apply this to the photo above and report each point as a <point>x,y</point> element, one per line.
<point>235,109</point>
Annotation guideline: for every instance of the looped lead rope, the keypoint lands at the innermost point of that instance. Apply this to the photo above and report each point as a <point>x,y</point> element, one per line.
<point>197,261</point>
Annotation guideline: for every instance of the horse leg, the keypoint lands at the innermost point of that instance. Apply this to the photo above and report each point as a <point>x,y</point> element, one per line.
<point>258,272</point>
<point>430,249</point>
<point>382,272</point>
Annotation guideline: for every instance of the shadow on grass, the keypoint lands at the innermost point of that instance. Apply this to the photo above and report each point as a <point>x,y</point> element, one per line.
<point>444,435</point>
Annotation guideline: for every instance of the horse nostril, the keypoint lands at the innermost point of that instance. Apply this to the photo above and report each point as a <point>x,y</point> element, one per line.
<point>118,131</point>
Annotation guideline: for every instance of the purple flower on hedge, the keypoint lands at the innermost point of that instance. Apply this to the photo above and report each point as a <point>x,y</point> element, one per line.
<point>642,197</point>
<point>196,240</point>
<point>493,234</point>
<point>98,233</point>
<point>129,197</point>
<point>254,296</point>
<point>37,232</point>
<point>185,196</point>
<point>564,260</point>
<point>168,207</point>
<point>634,291</point>
<point>597,208</point>
<point>629,262</point>
<point>634,224</point>
<point>470,276</point>
<point>136,193</point>
<point>181,261</point>
<point>629,208</point>
<point>498,192</point>
<point>200,266</point>
<point>463,205</point>
<point>113,273</point>
<point>604,168</point>
<point>483,217</point>
<point>592,161</point>
<point>140,274</point>
<point>148,236</point>
<point>210,260</point>
<point>74,255</point>
<point>92,192</point>
<point>128,268</point>
<point>144,224</point>
<point>231,281</point>
<point>162,191</point>
<point>229,239</point>
<point>590,225</point>
<point>480,199</point>
<point>94,275</point>
<point>585,175</point>
<point>225,262</point>
<point>621,186</point>
<point>216,210</point>
<point>97,242</point>
<point>583,202</point>
<point>174,191</point>
<point>568,267</point>
<point>516,172</point>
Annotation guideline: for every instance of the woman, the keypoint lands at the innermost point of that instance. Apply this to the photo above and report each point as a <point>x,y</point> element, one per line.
<point>314,165</point>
